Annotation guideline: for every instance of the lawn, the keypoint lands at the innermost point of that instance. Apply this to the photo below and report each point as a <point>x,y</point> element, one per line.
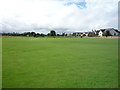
<point>59,62</point>
<point>0,62</point>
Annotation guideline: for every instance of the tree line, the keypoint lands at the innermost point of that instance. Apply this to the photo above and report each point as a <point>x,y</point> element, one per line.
<point>34,34</point>
<point>52,33</point>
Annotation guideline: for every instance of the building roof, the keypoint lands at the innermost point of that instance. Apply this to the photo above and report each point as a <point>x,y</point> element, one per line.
<point>117,31</point>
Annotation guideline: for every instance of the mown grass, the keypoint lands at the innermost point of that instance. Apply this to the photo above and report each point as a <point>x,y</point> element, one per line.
<point>0,62</point>
<point>60,62</point>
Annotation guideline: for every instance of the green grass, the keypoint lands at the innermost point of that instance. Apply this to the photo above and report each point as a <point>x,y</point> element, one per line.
<point>60,62</point>
<point>0,62</point>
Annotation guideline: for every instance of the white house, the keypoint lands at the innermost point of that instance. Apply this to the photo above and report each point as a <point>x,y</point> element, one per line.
<point>112,31</point>
<point>100,33</point>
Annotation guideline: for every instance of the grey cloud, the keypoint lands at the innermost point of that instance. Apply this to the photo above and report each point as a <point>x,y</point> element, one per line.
<point>42,17</point>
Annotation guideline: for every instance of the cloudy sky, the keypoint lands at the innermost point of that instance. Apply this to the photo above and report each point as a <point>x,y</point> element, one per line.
<point>59,15</point>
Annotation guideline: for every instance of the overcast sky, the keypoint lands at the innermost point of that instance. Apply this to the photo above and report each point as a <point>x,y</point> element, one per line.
<point>59,15</point>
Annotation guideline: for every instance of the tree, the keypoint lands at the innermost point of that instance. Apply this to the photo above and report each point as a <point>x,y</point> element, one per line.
<point>58,34</point>
<point>63,34</point>
<point>107,33</point>
<point>74,34</point>
<point>42,34</point>
<point>48,34</point>
<point>33,34</point>
<point>52,33</point>
<point>37,35</point>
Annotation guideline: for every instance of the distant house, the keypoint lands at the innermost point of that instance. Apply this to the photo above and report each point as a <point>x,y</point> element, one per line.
<point>27,35</point>
<point>118,32</point>
<point>101,32</point>
<point>69,34</point>
<point>91,34</point>
<point>112,31</point>
<point>77,34</point>
<point>85,34</point>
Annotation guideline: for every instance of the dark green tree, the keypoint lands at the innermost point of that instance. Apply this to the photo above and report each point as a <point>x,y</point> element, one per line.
<point>63,34</point>
<point>74,34</point>
<point>33,34</point>
<point>107,33</point>
<point>52,33</point>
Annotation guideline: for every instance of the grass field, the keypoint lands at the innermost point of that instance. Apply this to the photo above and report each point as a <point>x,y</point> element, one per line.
<point>0,62</point>
<point>60,62</point>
